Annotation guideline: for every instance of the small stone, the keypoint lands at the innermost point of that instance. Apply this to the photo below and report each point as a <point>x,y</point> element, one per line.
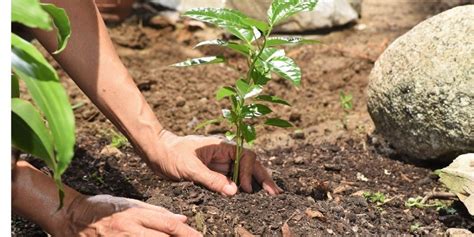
<point>458,232</point>
<point>180,101</point>
<point>332,167</point>
<point>299,160</point>
<point>298,134</point>
<point>110,151</point>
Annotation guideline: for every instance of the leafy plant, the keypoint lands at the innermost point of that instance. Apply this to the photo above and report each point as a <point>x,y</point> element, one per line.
<point>417,202</point>
<point>44,129</point>
<point>118,140</point>
<point>347,106</point>
<point>247,100</point>
<point>378,197</point>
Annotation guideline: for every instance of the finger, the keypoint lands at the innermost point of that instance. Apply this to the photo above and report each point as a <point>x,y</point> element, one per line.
<point>222,168</point>
<point>246,170</point>
<point>214,181</point>
<point>146,232</point>
<point>167,224</point>
<point>264,179</point>
<point>159,209</point>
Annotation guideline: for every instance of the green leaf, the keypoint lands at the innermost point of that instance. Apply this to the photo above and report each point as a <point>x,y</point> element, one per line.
<point>273,99</point>
<point>30,13</point>
<point>276,41</point>
<point>200,61</point>
<point>346,100</point>
<point>285,67</point>
<point>225,92</point>
<point>229,115</point>
<point>242,87</point>
<point>253,91</point>
<point>260,75</point>
<point>240,48</point>
<point>278,123</point>
<point>233,21</point>
<point>48,94</point>
<point>270,53</point>
<point>29,132</point>
<point>249,133</point>
<point>15,87</point>
<point>281,10</point>
<point>255,110</point>
<point>61,22</point>
<point>230,135</point>
<point>207,122</point>
<point>261,25</point>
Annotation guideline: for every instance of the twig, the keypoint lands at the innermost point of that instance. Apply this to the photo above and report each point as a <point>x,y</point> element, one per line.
<point>438,195</point>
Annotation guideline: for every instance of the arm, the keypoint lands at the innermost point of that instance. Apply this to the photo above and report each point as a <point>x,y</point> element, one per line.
<point>92,62</point>
<point>34,196</point>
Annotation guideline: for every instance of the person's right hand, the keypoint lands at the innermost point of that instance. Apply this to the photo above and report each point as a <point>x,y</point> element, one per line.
<point>105,215</point>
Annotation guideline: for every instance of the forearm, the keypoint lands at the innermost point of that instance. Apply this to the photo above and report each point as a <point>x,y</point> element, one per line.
<point>92,62</point>
<point>35,197</point>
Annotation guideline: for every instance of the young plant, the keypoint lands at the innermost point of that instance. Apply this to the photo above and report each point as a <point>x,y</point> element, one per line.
<point>377,198</point>
<point>46,128</point>
<point>347,106</point>
<point>247,100</point>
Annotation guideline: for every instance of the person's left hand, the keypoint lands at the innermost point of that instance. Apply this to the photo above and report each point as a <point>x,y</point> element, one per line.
<point>206,160</point>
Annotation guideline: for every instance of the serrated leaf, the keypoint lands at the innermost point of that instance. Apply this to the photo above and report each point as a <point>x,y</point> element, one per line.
<point>255,110</point>
<point>61,22</point>
<point>15,93</point>
<point>225,92</point>
<point>240,48</point>
<point>29,132</point>
<point>206,123</point>
<point>249,133</point>
<point>285,67</point>
<point>273,99</point>
<point>31,14</point>
<point>281,10</point>
<point>276,41</point>
<point>231,20</point>
<point>200,61</point>
<point>278,123</point>
<point>48,94</point>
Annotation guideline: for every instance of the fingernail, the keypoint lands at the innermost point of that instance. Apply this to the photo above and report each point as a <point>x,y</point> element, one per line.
<point>229,189</point>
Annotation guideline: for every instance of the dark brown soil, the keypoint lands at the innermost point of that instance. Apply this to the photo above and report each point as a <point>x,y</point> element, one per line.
<point>318,171</point>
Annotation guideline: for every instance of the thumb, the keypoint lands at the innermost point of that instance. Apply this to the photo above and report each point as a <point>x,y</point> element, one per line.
<point>214,181</point>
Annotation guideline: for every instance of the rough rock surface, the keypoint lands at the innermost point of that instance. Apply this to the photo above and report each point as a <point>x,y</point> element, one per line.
<point>421,90</point>
<point>328,13</point>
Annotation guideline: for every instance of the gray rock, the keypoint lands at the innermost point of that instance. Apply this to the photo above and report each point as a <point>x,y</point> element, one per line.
<point>328,13</point>
<point>421,90</point>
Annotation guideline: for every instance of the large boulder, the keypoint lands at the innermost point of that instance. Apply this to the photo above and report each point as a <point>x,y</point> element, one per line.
<point>421,89</point>
<point>328,13</point>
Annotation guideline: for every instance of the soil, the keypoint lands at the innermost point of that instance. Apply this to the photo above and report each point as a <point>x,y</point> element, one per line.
<point>324,168</point>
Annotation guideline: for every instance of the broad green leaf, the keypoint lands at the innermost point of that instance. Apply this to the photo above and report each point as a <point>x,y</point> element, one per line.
<point>61,22</point>
<point>278,123</point>
<point>15,87</point>
<point>249,133</point>
<point>229,115</point>
<point>285,67</point>
<point>242,87</point>
<point>255,110</point>
<point>225,92</point>
<point>30,13</point>
<point>261,25</point>
<point>29,132</point>
<point>261,73</point>
<point>207,122</point>
<point>276,41</point>
<point>200,61</point>
<point>230,135</point>
<point>273,99</point>
<point>281,10</point>
<point>233,21</point>
<point>271,53</point>
<point>253,91</point>
<point>240,48</point>
<point>48,94</point>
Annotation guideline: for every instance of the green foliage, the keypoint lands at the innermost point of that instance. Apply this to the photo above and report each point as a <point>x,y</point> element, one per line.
<point>347,105</point>
<point>414,227</point>
<point>247,103</point>
<point>378,197</point>
<point>417,202</point>
<point>118,140</point>
<point>45,129</point>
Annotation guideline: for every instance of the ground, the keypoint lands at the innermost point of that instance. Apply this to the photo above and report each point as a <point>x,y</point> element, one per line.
<point>324,172</point>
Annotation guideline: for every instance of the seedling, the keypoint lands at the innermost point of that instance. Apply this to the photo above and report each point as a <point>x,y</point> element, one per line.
<point>437,204</point>
<point>378,197</point>
<point>248,103</point>
<point>347,106</point>
<point>118,140</point>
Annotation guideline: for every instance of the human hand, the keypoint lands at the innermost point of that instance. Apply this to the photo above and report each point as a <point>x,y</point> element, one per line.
<point>207,161</point>
<point>105,215</point>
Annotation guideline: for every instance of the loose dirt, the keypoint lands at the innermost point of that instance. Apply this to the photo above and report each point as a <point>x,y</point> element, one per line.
<point>323,172</point>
